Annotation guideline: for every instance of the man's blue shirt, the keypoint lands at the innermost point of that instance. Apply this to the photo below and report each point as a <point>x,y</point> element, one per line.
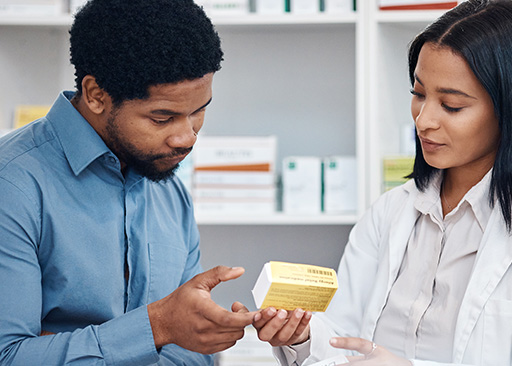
<point>71,227</point>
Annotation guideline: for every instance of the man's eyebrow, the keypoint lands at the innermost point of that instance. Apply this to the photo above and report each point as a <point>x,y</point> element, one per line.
<point>168,112</point>
<point>446,90</point>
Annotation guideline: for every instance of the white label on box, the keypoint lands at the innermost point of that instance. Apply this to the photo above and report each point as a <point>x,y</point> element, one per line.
<point>253,207</point>
<point>229,7</point>
<point>41,8</point>
<point>234,193</point>
<point>302,185</point>
<point>340,184</point>
<point>304,6</point>
<point>338,6</point>
<point>410,2</point>
<point>221,152</point>
<point>241,178</point>
<point>270,6</point>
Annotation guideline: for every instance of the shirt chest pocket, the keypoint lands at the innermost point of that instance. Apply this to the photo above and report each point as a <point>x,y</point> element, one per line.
<point>166,266</point>
<point>497,345</point>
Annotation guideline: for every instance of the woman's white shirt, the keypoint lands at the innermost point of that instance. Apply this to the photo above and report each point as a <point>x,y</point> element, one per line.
<point>419,318</point>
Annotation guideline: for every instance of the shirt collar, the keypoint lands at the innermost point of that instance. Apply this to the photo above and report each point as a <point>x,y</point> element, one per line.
<point>80,142</point>
<point>429,201</point>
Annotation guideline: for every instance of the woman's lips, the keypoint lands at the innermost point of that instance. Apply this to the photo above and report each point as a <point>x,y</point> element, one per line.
<point>429,145</point>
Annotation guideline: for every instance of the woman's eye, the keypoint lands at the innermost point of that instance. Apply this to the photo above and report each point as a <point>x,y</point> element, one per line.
<point>416,94</point>
<point>451,109</point>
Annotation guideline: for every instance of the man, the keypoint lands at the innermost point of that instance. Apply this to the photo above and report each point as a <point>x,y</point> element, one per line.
<point>99,250</point>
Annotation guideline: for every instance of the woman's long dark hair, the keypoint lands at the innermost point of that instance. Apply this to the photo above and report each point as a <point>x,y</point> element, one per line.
<point>480,31</point>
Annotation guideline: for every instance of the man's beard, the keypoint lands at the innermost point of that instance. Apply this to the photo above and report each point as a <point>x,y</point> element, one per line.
<point>142,163</point>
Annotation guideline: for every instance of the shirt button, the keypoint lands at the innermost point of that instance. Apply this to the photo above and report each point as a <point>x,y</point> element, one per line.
<point>112,160</point>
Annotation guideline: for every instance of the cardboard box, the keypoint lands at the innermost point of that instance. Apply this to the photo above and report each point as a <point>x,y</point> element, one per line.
<point>31,7</point>
<point>229,7</point>
<point>235,153</point>
<point>304,6</point>
<point>291,285</point>
<point>416,4</point>
<point>338,6</point>
<point>395,170</point>
<point>302,185</point>
<point>340,184</point>
<point>270,6</point>
<point>24,114</point>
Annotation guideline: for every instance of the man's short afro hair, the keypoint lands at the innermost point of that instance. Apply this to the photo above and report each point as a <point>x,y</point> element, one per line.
<point>130,45</point>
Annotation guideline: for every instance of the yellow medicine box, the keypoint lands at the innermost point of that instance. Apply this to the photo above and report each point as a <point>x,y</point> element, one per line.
<point>291,285</point>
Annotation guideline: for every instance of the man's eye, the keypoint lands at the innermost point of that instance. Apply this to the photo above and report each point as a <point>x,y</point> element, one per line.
<point>162,121</point>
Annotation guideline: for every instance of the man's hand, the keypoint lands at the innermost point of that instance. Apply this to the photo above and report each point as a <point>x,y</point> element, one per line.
<point>282,328</point>
<point>372,354</point>
<point>190,319</point>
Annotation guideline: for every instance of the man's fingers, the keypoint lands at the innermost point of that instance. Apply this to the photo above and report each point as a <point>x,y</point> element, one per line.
<point>216,275</point>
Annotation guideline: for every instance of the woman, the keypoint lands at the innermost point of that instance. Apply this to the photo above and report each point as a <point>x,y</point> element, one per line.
<point>426,278</point>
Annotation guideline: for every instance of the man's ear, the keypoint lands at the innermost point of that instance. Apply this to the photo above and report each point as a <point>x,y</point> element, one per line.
<point>95,98</point>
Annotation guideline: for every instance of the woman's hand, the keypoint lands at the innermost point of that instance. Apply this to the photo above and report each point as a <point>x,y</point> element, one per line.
<point>372,354</point>
<point>281,327</point>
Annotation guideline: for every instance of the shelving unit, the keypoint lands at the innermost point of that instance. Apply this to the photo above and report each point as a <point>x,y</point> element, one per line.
<point>390,33</point>
<point>324,84</point>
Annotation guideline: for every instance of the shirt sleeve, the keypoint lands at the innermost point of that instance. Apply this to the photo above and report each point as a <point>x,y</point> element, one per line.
<point>292,355</point>
<point>126,340</point>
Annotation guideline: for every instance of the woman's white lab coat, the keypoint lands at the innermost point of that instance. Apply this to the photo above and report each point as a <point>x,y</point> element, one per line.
<point>372,258</point>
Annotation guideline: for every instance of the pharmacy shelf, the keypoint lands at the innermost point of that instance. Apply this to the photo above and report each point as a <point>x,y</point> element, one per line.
<point>408,16</point>
<point>66,20</point>
<point>274,219</point>
<point>284,19</point>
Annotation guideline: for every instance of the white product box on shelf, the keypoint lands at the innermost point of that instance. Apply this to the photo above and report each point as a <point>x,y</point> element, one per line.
<point>235,153</point>
<point>302,185</point>
<point>270,6</point>
<point>229,7</point>
<point>233,194</point>
<point>338,6</point>
<point>416,4</point>
<point>257,207</point>
<point>240,179</point>
<point>235,174</point>
<point>31,7</point>
<point>304,6</point>
<point>340,184</point>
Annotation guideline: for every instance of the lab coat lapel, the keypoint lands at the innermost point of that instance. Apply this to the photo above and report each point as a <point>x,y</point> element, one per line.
<point>492,261</point>
<point>399,234</point>
<point>398,237</point>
